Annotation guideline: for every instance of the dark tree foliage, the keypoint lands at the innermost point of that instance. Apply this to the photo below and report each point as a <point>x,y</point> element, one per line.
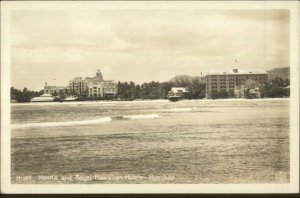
<point>222,94</point>
<point>279,82</point>
<point>82,96</point>
<point>276,88</point>
<point>24,95</point>
<point>126,90</point>
<point>196,91</point>
<point>157,90</point>
<point>271,91</point>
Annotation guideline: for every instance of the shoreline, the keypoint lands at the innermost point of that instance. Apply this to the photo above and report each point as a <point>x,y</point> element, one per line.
<point>144,101</point>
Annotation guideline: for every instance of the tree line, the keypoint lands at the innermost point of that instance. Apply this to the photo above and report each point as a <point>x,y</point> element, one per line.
<point>24,95</point>
<point>276,88</point>
<point>156,90</point>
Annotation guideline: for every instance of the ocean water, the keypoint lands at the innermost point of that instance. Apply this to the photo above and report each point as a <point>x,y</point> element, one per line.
<point>189,141</point>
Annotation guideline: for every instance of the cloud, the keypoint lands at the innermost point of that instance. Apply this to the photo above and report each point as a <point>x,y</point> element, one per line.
<point>138,44</point>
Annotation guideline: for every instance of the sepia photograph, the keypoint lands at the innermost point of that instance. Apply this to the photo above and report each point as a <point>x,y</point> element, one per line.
<point>149,95</point>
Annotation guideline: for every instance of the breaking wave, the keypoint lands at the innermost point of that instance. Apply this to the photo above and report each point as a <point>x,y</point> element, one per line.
<point>180,109</point>
<point>67,123</point>
<point>137,117</point>
<point>85,122</point>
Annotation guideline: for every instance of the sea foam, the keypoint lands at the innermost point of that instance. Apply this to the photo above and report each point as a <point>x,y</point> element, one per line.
<point>180,109</point>
<point>141,116</point>
<point>67,123</point>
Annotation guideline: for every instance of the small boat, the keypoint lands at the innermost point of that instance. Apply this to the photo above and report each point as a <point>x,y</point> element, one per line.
<point>177,93</point>
<point>71,98</point>
<point>43,98</point>
<point>174,98</point>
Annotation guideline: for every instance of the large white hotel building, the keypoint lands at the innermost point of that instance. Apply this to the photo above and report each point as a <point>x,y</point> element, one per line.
<point>93,87</point>
<point>233,80</point>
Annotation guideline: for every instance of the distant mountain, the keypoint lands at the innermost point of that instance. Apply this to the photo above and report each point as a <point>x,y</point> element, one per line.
<point>283,72</point>
<point>185,79</point>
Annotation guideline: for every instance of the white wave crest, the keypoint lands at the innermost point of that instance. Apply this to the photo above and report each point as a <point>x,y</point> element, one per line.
<point>142,116</point>
<point>68,123</point>
<point>180,109</point>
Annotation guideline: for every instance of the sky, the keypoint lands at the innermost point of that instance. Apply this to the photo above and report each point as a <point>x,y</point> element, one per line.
<point>143,45</point>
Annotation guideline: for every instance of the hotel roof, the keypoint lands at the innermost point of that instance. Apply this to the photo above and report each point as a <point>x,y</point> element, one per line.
<point>236,72</point>
<point>177,89</point>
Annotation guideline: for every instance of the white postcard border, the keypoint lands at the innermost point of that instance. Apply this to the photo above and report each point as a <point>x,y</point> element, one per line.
<point>7,187</point>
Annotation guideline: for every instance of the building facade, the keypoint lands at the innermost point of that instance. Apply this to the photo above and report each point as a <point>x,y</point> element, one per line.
<point>105,89</point>
<point>93,86</point>
<point>177,91</point>
<point>77,85</point>
<point>233,81</point>
<point>80,85</point>
<point>54,90</point>
<point>89,86</point>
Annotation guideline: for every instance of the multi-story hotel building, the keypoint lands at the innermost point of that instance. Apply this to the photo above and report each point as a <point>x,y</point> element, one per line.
<point>50,89</point>
<point>92,87</point>
<point>103,89</point>
<point>232,80</point>
<point>78,85</point>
